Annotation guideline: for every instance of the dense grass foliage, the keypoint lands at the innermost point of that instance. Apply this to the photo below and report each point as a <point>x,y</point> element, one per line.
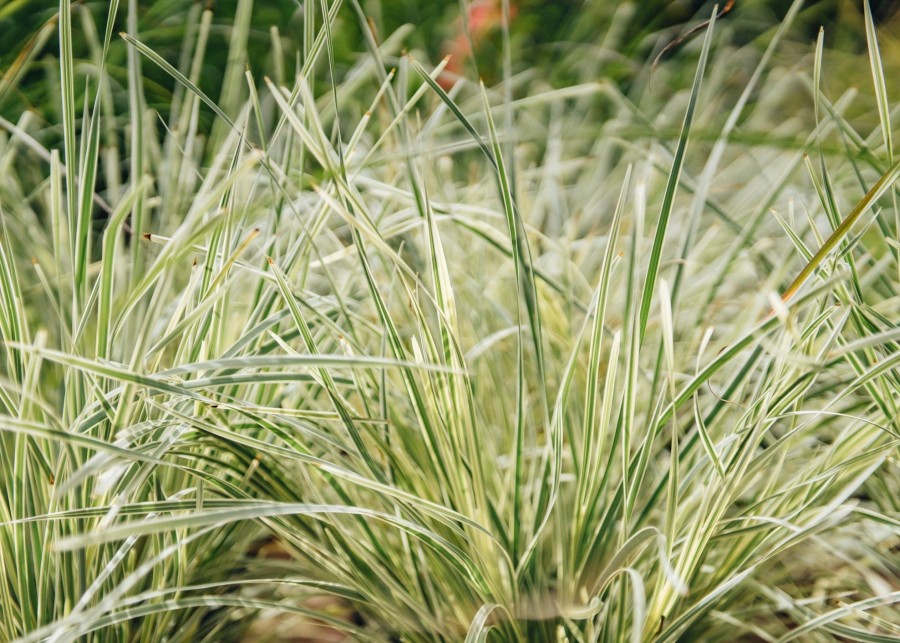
<point>323,347</point>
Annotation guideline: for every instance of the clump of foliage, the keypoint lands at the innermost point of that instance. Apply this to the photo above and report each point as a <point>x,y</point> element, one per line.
<point>596,362</point>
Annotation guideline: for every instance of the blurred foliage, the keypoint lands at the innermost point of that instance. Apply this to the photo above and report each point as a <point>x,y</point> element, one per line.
<point>542,34</point>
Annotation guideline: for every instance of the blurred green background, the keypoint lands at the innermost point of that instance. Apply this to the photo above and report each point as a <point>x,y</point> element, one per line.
<point>538,31</point>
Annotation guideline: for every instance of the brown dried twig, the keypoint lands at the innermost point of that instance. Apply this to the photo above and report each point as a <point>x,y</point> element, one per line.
<point>690,34</point>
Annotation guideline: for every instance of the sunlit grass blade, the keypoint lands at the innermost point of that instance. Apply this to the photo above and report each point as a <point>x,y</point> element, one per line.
<point>662,224</point>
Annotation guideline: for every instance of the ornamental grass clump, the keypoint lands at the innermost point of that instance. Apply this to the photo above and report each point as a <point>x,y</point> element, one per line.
<point>330,348</point>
